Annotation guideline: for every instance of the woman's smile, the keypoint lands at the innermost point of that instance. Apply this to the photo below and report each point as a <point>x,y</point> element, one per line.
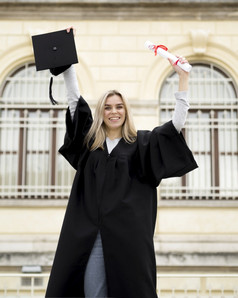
<point>114,119</point>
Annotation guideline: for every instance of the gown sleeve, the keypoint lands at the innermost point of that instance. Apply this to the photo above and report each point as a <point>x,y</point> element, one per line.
<point>163,153</point>
<point>76,130</point>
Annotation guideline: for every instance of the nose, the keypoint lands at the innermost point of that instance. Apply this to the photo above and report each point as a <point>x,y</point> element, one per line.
<point>114,110</point>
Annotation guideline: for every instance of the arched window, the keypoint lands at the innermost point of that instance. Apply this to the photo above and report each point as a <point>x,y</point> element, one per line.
<point>31,131</point>
<point>211,130</point>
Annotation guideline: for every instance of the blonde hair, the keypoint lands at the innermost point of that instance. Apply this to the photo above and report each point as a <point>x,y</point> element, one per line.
<point>97,132</point>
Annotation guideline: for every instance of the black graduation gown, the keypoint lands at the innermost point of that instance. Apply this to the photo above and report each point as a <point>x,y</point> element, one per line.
<point>116,195</point>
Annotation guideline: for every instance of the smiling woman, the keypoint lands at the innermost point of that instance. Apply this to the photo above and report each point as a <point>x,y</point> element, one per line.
<point>113,201</point>
<point>106,246</point>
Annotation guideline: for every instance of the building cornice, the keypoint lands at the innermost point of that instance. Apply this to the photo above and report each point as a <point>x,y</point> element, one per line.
<point>124,2</point>
<point>119,10</point>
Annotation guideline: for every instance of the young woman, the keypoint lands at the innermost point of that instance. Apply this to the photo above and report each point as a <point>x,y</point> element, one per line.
<point>106,243</point>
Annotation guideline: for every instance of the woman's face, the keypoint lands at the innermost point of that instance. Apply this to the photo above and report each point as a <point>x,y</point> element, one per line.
<point>114,113</point>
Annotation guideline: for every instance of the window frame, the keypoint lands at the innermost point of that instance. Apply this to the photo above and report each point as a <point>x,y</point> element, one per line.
<point>56,129</point>
<point>215,189</point>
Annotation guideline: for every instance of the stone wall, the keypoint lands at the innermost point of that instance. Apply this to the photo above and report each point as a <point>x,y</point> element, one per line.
<point>110,43</point>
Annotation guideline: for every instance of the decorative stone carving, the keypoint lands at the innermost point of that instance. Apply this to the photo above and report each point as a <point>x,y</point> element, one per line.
<point>199,40</point>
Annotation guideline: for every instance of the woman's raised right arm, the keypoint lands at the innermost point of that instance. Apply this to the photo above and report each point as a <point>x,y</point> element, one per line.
<point>72,89</point>
<point>78,121</point>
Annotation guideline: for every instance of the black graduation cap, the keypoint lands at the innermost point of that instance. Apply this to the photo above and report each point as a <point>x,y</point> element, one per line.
<point>55,51</point>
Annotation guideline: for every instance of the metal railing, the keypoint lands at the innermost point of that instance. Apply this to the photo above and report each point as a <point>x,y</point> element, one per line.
<point>168,285</point>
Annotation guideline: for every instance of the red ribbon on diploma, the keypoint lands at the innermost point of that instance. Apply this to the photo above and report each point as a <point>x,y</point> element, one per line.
<point>165,49</point>
<point>159,46</point>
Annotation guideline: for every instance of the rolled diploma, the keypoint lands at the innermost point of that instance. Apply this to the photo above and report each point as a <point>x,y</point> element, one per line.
<point>185,66</point>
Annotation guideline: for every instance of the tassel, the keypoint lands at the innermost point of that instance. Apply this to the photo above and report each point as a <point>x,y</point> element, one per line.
<point>53,101</point>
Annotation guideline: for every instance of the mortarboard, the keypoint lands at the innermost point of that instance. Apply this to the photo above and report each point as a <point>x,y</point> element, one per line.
<point>55,51</point>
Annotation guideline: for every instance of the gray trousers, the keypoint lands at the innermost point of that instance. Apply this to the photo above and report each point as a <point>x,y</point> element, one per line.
<point>95,284</point>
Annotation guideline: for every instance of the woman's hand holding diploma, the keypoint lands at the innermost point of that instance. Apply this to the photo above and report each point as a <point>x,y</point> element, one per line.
<point>180,64</point>
<point>183,75</point>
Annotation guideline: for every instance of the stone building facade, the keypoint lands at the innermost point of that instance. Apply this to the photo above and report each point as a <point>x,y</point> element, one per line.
<point>197,224</point>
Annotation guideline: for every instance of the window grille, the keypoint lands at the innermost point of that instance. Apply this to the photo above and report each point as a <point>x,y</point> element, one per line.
<point>31,131</point>
<point>27,282</point>
<point>211,131</point>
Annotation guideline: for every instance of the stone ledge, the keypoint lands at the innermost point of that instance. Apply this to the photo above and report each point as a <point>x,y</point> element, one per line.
<point>18,259</point>
<point>226,260</point>
<point>198,260</point>
<point>171,250</point>
<point>198,203</point>
<point>124,2</point>
<point>196,250</point>
<point>111,10</point>
<point>49,203</point>
<point>197,244</point>
<point>17,244</point>
<point>54,203</point>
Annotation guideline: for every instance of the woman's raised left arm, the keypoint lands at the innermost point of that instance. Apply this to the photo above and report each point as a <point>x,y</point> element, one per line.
<point>182,105</point>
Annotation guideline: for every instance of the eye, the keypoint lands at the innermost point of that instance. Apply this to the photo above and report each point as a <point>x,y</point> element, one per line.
<point>107,108</point>
<point>120,107</point>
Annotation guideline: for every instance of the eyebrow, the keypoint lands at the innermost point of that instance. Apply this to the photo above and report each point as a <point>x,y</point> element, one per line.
<point>117,104</point>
